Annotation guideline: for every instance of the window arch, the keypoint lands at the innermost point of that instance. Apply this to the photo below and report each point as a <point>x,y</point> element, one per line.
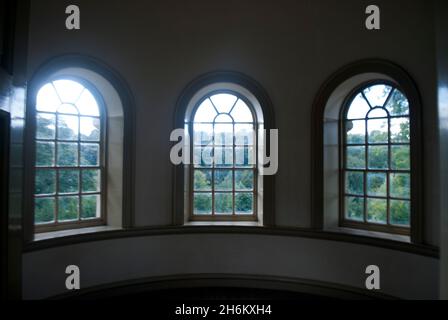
<point>376,159</point>
<point>70,159</point>
<point>368,106</point>
<point>224,170</point>
<point>235,102</point>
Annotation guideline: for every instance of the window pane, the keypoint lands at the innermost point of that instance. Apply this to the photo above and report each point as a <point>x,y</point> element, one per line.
<point>356,132</point>
<point>241,112</point>
<point>356,157</point>
<point>398,104</point>
<point>400,158</point>
<point>68,208</point>
<point>203,156</point>
<point>377,184</point>
<point>91,207</point>
<point>68,90</point>
<point>244,180</point>
<point>354,208</point>
<point>354,183</point>
<point>223,203</point>
<point>91,180</point>
<point>223,102</point>
<point>223,180</point>
<point>378,157</point>
<point>223,134</point>
<point>44,209</point>
<point>45,181</point>
<point>90,129</point>
<point>47,99</point>
<point>202,180</point>
<point>358,108</point>
<point>244,157</point>
<point>68,127</point>
<point>46,124</point>
<point>67,108</point>
<point>206,112</point>
<point>45,154</point>
<point>400,212</point>
<point>68,181</point>
<point>223,157</point>
<point>87,104</point>
<point>400,185</point>
<point>244,203</point>
<point>67,154</point>
<point>244,134</point>
<point>377,113</point>
<point>399,130</point>
<point>378,131</point>
<point>377,211</point>
<point>377,94</point>
<point>203,203</point>
<point>203,134</point>
<point>90,154</point>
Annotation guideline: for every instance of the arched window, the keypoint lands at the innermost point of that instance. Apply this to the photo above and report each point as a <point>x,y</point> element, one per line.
<point>376,159</point>
<point>224,152</point>
<point>69,155</point>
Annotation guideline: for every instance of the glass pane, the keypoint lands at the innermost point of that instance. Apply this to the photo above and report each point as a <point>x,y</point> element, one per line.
<point>358,108</point>
<point>91,179</point>
<point>223,180</point>
<point>354,183</point>
<point>68,208</point>
<point>244,134</point>
<point>206,112</point>
<point>356,157</point>
<point>68,90</point>
<point>377,113</point>
<point>245,156</point>
<point>68,181</point>
<point>90,154</point>
<point>244,203</point>
<point>400,212</point>
<point>67,108</point>
<point>44,209</point>
<point>67,154</point>
<point>377,94</point>
<point>244,180</point>
<point>378,131</point>
<point>223,203</point>
<point>398,104</point>
<point>400,158</point>
<point>400,185</point>
<point>46,125</point>
<point>399,130</point>
<point>45,153</point>
<point>356,132</point>
<point>87,104</point>
<point>377,184</point>
<point>203,156</point>
<point>47,99</point>
<point>223,157</point>
<point>203,203</point>
<point>378,157</point>
<point>223,102</point>
<point>223,134</point>
<point>223,118</point>
<point>68,127</point>
<point>377,211</point>
<point>203,134</point>
<point>45,181</point>
<point>241,112</point>
<point>90,207</point>
<point>202,180</point>
<point>90,129</point>
<point>354,208</point>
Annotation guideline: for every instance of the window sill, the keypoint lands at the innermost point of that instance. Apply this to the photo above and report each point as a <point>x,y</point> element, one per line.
<point>72,232</point>
<point>223,224</point>
<point>370,234</point>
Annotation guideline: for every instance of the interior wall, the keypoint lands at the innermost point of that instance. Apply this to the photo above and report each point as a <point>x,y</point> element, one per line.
<point>290,47</point>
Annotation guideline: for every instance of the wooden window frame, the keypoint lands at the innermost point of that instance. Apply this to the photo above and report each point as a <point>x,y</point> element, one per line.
<point>213,169</point>
<point>79,223</point>
<point>366,225</point>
